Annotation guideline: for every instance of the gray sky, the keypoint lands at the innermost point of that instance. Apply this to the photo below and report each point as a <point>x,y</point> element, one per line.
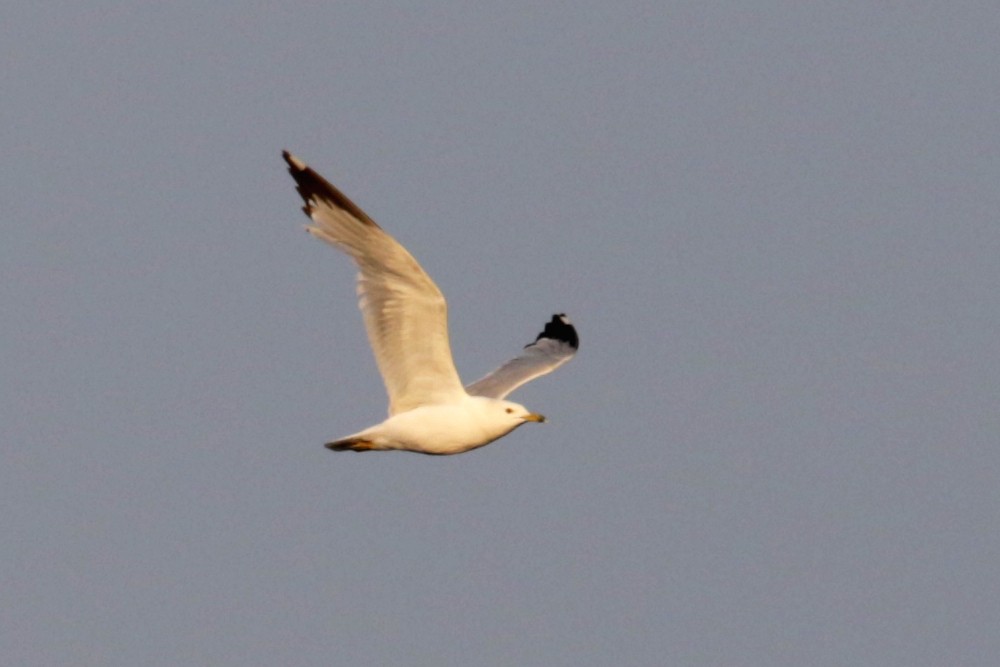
<point>775,226</point>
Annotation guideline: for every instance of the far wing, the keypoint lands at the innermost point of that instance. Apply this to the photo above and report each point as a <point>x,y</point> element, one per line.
<point>552,348</point>
<point>405,313</point>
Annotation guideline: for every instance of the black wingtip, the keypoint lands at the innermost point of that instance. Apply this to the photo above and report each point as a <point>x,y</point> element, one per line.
<point>561,329</point>
<point>313,187</point>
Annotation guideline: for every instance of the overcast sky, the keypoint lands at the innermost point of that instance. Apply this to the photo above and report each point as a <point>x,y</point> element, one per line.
<point>775,225</point>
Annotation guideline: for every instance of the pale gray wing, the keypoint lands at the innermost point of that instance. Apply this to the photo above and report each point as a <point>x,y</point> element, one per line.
<point>556,345</point>
<point>404,312</point>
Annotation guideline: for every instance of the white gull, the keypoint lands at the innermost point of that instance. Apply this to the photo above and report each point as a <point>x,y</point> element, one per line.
<point>406,317</point>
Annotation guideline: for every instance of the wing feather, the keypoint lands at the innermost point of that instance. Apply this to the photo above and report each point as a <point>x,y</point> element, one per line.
<point>556,345</point>
<point>405,314</point>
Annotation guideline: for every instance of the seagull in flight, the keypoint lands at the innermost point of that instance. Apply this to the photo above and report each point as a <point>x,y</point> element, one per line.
<point>406,318</point>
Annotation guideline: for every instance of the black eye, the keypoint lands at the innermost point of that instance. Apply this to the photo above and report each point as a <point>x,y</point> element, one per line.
<point>510,410</point>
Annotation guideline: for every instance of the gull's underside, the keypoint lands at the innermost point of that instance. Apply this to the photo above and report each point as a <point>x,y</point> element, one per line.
<point>406,318</point>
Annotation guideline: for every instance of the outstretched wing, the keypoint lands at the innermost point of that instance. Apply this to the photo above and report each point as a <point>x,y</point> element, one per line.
<point>552,348</point>
<point>404,312</point>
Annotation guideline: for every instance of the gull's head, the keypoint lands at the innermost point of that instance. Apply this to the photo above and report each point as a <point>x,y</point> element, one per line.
<point>518,413</point>
<point>493,418</point>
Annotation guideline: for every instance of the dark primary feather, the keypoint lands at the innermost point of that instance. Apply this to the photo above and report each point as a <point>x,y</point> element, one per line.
<point>559,328</point>
<point>312,187</point>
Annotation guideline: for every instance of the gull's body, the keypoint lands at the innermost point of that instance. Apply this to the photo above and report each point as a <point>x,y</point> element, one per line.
<point>442,428</point>
<point>405,315</point>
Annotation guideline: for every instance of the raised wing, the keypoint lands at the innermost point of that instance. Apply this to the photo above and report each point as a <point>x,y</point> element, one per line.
<point>556,345</point>
<point>405,313</point>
